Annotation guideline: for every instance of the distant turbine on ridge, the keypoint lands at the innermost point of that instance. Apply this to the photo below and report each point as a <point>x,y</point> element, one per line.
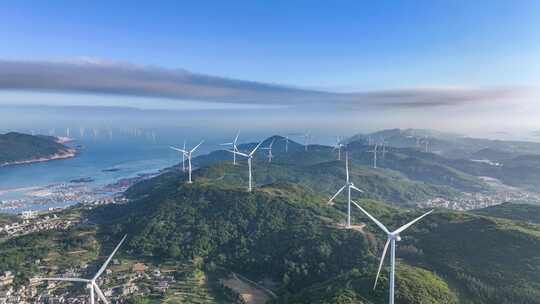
<point>183,156</point>
<point>338,147</point>
<point>392,238</point>
<point>234,147</point>
<point>249,158</point>
<point>307,139</point>
<point>188,153</point>
<point>348,185</point>
<point>91,284</point>
<point>374,151</point>
<point>269,148</point>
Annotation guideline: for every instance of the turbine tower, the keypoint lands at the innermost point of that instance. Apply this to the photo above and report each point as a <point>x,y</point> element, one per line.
<point>188,153</point>
<point>348,185</point>
<point>91,283</point>
<point>374,151</point>
<point>249,158</point>
<point>269,148</point>
<point>393,237</point>
<point>234,147</point>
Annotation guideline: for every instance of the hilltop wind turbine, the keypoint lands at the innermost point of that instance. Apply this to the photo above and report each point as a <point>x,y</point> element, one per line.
<point>234,147</point>
<point>307,138</point>
<point>384,144</point>
<point>391,240</point>
<point>374,151</point>
<point>286,143</point>
<point>338,147</point>
<point>269,148</point>
<point>249,158</point>
<point>348,185</point>
<point>183,156</point>
<point>91,284</point>
<point>188,153</point>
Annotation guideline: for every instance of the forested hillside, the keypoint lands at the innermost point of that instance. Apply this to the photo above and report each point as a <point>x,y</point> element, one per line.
<point>18,147</point>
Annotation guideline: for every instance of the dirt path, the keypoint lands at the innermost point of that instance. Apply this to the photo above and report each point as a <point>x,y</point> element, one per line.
<point>247,291</point>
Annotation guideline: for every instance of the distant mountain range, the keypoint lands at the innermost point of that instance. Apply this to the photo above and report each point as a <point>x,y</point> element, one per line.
<point>447,144</point>
<point>18,148</point>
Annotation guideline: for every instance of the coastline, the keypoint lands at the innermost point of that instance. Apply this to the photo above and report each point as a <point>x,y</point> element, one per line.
<point>64,154</point>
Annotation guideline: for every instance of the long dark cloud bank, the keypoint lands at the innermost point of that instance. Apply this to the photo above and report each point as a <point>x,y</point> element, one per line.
<point>94,77</point>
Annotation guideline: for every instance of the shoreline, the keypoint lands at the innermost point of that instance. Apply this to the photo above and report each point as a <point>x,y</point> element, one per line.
<point>69,153</point>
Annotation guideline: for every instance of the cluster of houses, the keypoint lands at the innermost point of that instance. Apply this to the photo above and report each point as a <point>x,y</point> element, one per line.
<point>139,279</point>
<point>31,223</point>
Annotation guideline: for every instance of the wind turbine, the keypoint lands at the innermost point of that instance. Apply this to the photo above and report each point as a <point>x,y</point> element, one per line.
<point>183,156</point>
<point>384,144</point>
<point>269,148</point>
<point>374,151</point>
<point>392,238</point>
<point>234,147</point>
<point>249,158</point>
<point>286,143</point>
<point>188,153</point>
<point>307,138</point>
<point>338,147</point>
<point>348,185</point>
<point>91,283</point>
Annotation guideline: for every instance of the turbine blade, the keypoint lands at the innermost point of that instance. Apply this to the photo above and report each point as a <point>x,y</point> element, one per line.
<point>359,190</point>
<point>337,193</point>
<point>372,218</point>
<point>257,147</point>
<point>239,153</point>
<point>402,228</point>
<point>102,269</point>
<point>195,148</point>
<point>65,280</point>
<point>226,144</point>
<point>179,150</point>
<point>381,262</point>
<point>100,293</point>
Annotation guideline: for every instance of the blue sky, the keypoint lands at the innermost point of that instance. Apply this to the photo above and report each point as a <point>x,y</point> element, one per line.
<point>428,59</point>
<point>338,45</point>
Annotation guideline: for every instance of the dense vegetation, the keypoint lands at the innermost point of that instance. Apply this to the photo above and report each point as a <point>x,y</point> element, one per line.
<point>287,233</point>
<point>519,212</point>
<point>21,147</point>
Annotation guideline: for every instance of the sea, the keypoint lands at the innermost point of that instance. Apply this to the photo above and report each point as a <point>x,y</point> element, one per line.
<point>104,157</point>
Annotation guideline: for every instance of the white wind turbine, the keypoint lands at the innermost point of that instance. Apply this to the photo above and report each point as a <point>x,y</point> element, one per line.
<point>183,156</point>
<point>307,139</point>
<point>249,158</point>
<point>348,185</point>
<point>286,143</point>
<point>393,237</point>
<point>91,283</point>
<point>338,147</point>
<point>188,153</point>
<point>374,151</point>
<point>234,147</point>
<point>269,148</point>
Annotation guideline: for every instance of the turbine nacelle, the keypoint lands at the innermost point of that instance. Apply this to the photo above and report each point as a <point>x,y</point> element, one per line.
<point>396,237</point>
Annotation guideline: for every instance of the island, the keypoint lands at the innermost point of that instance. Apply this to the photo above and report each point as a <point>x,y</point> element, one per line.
<point>18,148</point>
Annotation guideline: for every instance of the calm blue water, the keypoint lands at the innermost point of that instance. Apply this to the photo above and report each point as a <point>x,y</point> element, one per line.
<point>129,154</point>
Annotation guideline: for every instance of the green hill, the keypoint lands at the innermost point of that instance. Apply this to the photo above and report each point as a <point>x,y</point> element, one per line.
<point>18,147</point>
<point>286,233</point>
<point>519,212</point>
